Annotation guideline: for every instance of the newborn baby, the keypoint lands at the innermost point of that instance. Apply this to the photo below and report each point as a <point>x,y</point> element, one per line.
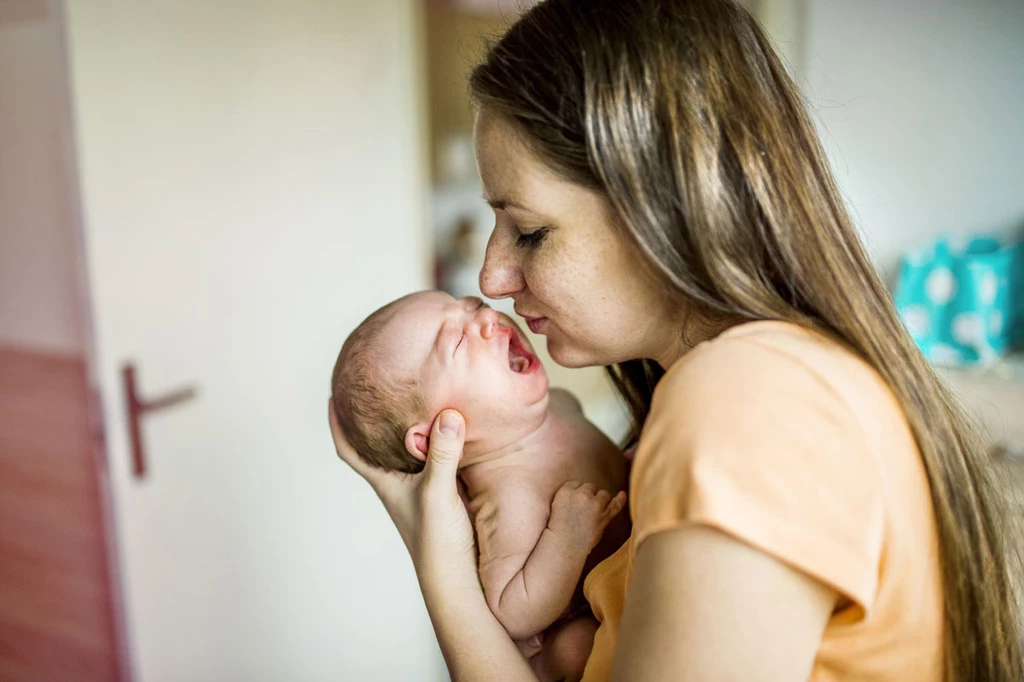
<point>535,471</point>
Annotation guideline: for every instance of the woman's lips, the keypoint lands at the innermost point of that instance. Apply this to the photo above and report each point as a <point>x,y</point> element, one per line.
<point>536,324</point>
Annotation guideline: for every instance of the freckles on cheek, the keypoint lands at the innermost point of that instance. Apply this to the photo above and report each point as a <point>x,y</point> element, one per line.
<point>569,272</point>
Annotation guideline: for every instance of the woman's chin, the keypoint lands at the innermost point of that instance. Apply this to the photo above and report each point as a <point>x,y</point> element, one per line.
<point>570,356</point>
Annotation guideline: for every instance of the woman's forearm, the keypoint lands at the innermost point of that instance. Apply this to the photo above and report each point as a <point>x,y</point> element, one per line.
<point>475,645</point>
<point>433,522</point>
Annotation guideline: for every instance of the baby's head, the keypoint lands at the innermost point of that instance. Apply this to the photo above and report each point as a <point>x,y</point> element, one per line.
<point>422,354</point>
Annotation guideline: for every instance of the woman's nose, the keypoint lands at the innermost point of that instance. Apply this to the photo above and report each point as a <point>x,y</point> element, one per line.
<point>501,276</point>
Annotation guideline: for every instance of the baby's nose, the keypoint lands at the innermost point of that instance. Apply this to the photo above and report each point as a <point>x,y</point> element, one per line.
<point>487,319</point>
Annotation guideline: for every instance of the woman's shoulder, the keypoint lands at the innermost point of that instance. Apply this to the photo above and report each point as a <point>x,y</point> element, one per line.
<point>763,361</point>
<point>768,386</point>
<point>760,433</point>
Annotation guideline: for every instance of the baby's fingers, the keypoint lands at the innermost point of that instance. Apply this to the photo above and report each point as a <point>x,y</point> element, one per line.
<point>617,504</point>
<point>529,647</point>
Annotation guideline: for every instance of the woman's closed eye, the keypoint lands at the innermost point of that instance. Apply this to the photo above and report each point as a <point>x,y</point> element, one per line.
<point>531,239</point>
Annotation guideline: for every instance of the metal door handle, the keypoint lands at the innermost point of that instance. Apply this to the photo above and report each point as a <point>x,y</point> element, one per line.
<point>138,408</point>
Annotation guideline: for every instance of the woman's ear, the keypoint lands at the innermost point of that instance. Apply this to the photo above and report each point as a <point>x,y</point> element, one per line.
<point>417,440</point>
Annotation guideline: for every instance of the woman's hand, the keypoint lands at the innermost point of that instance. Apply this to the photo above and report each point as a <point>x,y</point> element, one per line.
<point>433,521</point>
<point>425,507</point>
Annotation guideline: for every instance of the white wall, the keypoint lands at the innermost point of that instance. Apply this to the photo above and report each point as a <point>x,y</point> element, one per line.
<point>38,299</point>
<point>253,177</point>
<point>921,106</point>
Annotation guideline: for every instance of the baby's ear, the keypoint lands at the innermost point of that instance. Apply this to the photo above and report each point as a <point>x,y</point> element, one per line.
<point>417,440</point>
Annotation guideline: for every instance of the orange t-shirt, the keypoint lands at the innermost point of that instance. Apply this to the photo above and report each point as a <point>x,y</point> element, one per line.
<point>792,444</point>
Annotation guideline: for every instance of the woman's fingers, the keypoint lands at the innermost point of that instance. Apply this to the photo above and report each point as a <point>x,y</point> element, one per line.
<point>447,438</point>
<point>375,477</point>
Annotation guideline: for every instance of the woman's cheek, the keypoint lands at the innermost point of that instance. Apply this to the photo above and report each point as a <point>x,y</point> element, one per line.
<point>533,272</point>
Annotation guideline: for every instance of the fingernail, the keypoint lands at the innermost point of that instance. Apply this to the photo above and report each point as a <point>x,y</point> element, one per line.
<point>449,424</point>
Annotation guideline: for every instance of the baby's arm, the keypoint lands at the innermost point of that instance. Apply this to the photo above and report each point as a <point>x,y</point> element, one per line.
<point>530,564</point>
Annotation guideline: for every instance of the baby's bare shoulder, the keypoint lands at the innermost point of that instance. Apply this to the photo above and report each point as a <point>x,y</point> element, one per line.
<point>562,398</point>
<point>516,497</point>
<point>510,519</point>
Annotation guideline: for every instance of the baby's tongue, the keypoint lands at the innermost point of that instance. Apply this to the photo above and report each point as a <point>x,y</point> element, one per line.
<point>517,362</point>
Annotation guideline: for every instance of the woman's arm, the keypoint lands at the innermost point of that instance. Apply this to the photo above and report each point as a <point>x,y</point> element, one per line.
<point>703,606</point>
<point>474,644</point>
<point>432,520</point>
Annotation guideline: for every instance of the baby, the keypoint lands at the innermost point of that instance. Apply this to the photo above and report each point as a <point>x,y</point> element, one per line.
<point>535,471</point>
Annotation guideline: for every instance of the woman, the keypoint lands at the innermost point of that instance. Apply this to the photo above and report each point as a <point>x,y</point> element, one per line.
<point>808,500</point>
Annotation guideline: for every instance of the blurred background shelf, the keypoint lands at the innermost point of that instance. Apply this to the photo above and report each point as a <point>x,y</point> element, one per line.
<point>994,396</point>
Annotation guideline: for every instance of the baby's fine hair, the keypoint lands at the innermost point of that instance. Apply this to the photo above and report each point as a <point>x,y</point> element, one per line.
<point>373,410</point>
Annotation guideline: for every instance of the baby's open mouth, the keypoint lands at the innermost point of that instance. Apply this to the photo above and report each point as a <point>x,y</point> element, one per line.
<point>520,360</point>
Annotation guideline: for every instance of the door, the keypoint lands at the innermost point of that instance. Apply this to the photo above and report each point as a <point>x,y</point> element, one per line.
<point>252,182</point>
<point>56,605</point>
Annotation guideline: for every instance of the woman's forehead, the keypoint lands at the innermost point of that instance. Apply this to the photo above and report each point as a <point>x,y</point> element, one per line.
<point>513,176</point>
<point>502,159</point>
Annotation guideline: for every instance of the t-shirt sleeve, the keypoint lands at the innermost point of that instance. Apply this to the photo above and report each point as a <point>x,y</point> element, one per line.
<point>747,439</point>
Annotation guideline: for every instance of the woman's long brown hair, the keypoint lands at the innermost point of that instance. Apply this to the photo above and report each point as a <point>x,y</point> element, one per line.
<point>681,113</point>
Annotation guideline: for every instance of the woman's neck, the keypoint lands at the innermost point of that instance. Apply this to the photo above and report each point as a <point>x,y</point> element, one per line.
<point>671,352</point>
<point>681,339</point>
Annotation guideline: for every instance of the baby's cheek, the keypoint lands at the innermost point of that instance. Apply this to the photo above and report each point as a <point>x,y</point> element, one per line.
<point>495,394</point>
<point>473,392</point>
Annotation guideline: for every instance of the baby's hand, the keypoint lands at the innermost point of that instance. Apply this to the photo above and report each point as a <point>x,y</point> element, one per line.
<point>580,512</point>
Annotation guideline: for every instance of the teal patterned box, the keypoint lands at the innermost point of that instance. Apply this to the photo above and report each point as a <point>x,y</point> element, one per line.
<point>963,300</point>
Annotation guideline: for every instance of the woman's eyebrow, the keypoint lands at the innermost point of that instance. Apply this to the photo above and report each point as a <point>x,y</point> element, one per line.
<point>501,204</point>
